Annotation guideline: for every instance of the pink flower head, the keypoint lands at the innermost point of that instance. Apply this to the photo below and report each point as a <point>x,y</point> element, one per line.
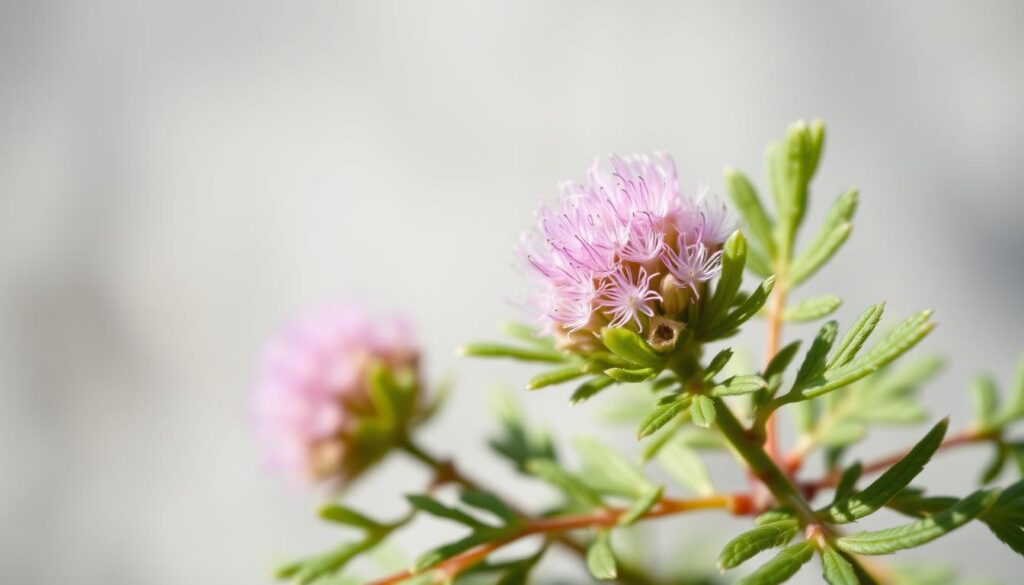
<point>313,386</point>
<point>601,251</point>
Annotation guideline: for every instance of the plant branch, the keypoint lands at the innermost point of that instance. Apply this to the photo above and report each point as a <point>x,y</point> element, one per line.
<point>965,437</point>
<point>738,504</point>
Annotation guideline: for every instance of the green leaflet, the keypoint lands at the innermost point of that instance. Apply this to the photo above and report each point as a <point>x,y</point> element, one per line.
<point>1006,517</point>
<point>447,551</point>
<point>662,414</point>
<point>685,467</point>
<point>782,567</point>
<point>812,309</point>
<point>631,376</point>
<point>309,570</point>
<point>734,258</point>
<point>847,482</point>
<point>435,508</point>
<point>836,569</point>
<point>895,344</point>
<point>737,385</point>
<point>985,397</point>
<point>575,489</point>
<point>601,559</point>
<point>889,483</point>
<point>702,411</point>
<point>631,347</point>
<point>717,363</point>
<point>748,204</point>
<point>641,506</point>
<point>489,502</point>
<point>608,472</point>
<point>591,387</point>
<point>340,514</point>
<point>814,362</point>
<point>498,350</point>
<point>833,233</point>
<point>741,314</point>
<point>855,337</point>
<point>760,538</point>
<point>553,377</point>
<point>923,531</point>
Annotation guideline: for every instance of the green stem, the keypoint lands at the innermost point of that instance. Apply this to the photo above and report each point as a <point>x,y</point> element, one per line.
<point>761,465</point>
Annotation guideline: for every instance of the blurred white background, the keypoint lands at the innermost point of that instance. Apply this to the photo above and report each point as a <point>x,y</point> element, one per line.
<point>177,178</point>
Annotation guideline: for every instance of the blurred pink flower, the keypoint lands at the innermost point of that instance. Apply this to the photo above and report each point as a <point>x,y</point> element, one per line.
<point>313,385</point>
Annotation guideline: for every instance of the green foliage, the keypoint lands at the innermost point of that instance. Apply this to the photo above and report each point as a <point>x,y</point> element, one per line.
<point>889,483</point>
<point>601,559</point>
<point>782,567</point>
<point>694,397</point>
<point>761,538</point>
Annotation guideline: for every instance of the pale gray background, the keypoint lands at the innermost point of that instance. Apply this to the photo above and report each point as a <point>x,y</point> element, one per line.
<point>176,178</point>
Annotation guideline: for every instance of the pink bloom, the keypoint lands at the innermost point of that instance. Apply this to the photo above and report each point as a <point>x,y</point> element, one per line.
<point>313,380</point>
<point>627,298</point>
<point>693,265</point>
<point>628,218</point>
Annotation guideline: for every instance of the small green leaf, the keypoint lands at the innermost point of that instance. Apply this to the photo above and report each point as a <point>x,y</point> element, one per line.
<point>782,567</point>
<point>553,473</point>
<point>641,506</point>
<point>996,465</point>
<point>340,514</point>
<point>923,531</point>
<point>435,508</point>
<point>893,345</point>
<point>748,204</point>
<point>842,433</point>
<point>717,363</point>
<point>741,314</point>
<point>552,377</point>
<point>775,515</point>
<point>891,482</point>
<point>601,559</point>
<point>836,569</point>
<point>833,233</point>
<point>685,467</point>
<point>737,385</point>
<point>847,482</point>
<point>702,411</point>
<point>812,309</point>
<point>591,387</point>
<point>631,376</point>
<point>856,336</point>
<point>498,350</point>
<point>814,362</point>
<point>734,258</point>
<point>781,360</point>
<point>986,402</point>
<point>662,415</point>
<point>631,347</point>
<point>489,502</point>
<point>761,538</point>
<point>608,472</point>
<point>447,551</point>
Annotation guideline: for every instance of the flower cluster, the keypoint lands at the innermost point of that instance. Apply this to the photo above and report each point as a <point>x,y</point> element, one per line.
<point>623,248</point>
<point>314,389</point>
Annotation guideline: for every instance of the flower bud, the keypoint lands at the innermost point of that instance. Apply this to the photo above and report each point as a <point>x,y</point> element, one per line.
<point>337,390</point>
